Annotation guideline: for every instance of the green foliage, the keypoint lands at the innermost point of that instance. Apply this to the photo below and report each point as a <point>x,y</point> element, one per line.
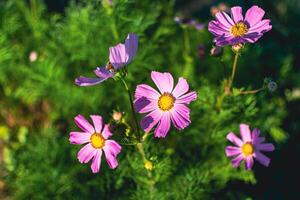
<point>39,101</point>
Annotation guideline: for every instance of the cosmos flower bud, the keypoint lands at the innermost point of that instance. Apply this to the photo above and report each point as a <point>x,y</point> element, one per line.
<point>117,116</point>
<point>148,165</point>
<point>33,56</point>
<point>237,47</point>
<point>216,51</point>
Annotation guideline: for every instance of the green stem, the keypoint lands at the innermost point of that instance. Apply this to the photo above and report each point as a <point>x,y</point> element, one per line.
<point>233,69</point>
<point>252,91</point>
<point>132,108</point>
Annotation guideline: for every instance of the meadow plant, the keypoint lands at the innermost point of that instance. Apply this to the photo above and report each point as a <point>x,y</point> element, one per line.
<point>164,142</point>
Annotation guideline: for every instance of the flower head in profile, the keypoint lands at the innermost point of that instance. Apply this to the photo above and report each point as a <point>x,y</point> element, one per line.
<point>163,106</point>
<point>248,148</point>
<point>119,56</point>
<point>96,142</point>
<point>237,29</point>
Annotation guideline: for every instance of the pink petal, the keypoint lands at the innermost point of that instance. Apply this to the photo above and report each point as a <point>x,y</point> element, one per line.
<point>106,133</point>
<point>234,139</point>
<point>85,81</point>
<point>232,151</point>
<point>144,90</point>
<point>79,137</point>
<point>131,45</point>
<point>113,147</point>
<point>117,56</point>
<point>181,88</point>
<point>150,120</point>
<point>254,15</point>
<point>97,120</point>
<point>245,133</point>
<point>264,160</point>
<point>249,162</point>
<point>163,81</point>
<point>261,27</point>
<point>96,161</point>
<point>236,14</point>
<point>224,19</point>
<point>215,28</point>
<point>86,153</point>
<point>110,158</point>
<point>83,124</point>
<point>255,137</point>
<point>265,147</point>
<point>102,72</point>
<point>145,105</point>
<point>164,126</point>
<point>237,160</point>
<point>180,116</point>
<point>187,98</point>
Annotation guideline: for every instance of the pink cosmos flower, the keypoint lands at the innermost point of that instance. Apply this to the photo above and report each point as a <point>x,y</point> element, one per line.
<point>169,104</point>
<point>96,140</point>
<point>119,56</point>
<point>237,29</point>
<point>248,148</point>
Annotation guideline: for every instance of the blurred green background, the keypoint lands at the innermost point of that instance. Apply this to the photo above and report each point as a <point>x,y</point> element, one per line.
<point>45,45</point>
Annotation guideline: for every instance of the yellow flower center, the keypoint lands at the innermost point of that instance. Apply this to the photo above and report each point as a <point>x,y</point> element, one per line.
<point>97,140</point>
<point>166,101</point>
<point>247,149</point>
<point>239,29</point>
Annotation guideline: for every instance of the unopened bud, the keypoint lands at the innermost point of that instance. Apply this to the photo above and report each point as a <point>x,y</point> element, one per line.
<point>237,47</point>
<point>216,51</point>
<point>33,56</point>
<point>272,86</point>
<point>148,165</point>
<point>117,116</point>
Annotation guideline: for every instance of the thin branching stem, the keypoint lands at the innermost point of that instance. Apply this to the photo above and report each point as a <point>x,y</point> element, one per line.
<point>132,108</point>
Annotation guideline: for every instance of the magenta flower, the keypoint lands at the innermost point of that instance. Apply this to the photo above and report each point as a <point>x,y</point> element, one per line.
<point>96,140</point>
<point>248,148</point>
<point>237,29</point>
<point>119,56</point>
<point>164,106</point>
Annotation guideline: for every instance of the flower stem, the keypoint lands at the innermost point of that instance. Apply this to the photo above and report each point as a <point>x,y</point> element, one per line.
<point>252,91</point>
<point>132,108</point>
<point>233,69</point>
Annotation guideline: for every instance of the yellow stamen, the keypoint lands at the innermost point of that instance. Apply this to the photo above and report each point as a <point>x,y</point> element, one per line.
<point>97,140</point>
<point>166,101</point>
<point>247,149</point>
<point>239,29</point>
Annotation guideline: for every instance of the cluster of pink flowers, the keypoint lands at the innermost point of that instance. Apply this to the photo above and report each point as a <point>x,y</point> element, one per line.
<point>169,104</point>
